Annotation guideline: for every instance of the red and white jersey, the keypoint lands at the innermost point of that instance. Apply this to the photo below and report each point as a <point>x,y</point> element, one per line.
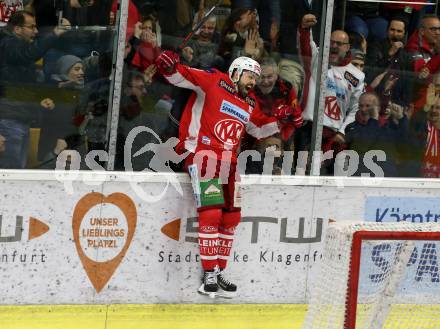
<point>216,116</point>
<point>344,86</point>
<point>7,8</point>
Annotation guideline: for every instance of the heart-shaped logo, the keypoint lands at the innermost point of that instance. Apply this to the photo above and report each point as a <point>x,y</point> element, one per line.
<point>103,228</point>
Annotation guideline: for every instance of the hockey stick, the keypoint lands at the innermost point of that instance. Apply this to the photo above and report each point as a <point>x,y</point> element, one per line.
<point>198,25</point>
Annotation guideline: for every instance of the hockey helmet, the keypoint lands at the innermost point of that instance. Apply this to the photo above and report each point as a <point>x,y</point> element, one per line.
<point>243,63</point>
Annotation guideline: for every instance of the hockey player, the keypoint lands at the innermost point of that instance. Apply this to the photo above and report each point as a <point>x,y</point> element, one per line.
<point>213,122</point>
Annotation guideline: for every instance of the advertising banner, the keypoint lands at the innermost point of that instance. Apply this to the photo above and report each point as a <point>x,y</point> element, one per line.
<point>421,274</point>
<point>118,242</point>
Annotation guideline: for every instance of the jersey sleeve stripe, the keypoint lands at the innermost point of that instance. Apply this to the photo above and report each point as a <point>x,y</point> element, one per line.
<point>263,131</point>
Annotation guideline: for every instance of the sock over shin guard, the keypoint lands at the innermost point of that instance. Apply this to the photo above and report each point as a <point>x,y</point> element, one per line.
<point>209,221</point>
<point>226,232</point>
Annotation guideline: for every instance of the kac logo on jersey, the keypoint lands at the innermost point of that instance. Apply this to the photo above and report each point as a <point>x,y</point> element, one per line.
<point>332,109</point>
<point>229,131</point>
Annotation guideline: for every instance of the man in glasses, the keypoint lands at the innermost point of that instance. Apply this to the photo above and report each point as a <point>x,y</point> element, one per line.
<point>426,59</point>
<point>20,48</point>
<point>131,116</point>
<point>422,43</point>
<point>344,85</point>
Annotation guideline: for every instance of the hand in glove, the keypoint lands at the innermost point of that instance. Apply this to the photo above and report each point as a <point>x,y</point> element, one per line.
<point>290,113</point>
<point>282,112</point>
<point>166,62</point>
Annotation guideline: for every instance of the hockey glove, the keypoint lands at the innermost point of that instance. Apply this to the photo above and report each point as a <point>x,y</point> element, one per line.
<point>166,62</point>
<point>282,112</point>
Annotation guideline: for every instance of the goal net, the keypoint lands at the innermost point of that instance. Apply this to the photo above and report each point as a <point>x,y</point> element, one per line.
<point>377,275</point>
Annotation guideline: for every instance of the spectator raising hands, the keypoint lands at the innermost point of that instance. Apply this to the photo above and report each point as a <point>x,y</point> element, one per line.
<point>147,44</point>
<point>149,73</point>
<point>20,49</point>
<point>308,21</point>
<point>240,36</point>
<point>187,54</point>
<point>395,47</point>
<point>345,83</point>
<point>396,112</point>
<point>48,104</point>
<point>253,45</point>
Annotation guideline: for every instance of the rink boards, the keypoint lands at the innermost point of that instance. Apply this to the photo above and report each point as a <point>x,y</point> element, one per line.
<point>104,239</point>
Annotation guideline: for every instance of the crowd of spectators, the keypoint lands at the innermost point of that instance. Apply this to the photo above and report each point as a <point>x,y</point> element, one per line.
<point>382,90</point>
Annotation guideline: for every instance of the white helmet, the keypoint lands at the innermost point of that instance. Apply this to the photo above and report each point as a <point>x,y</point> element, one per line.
<point>243,63</point>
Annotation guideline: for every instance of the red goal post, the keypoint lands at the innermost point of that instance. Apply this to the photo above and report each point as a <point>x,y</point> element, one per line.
<point>355,264</point>
<point>377,275</point>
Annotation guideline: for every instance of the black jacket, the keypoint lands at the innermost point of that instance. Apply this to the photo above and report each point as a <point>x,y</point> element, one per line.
<point>364,138</point>
<point>414,145</point>
<point>20,95</point>
<point>18,57</point>
<point>378,60</point>
<point>401,65</point>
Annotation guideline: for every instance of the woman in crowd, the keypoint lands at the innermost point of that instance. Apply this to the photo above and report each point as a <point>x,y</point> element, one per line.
<point>58,132</point>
